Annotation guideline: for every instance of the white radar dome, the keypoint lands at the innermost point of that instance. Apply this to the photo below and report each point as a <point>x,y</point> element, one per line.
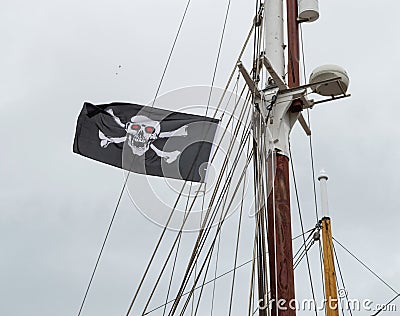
<point>333,88</point>
<point>308,10</point>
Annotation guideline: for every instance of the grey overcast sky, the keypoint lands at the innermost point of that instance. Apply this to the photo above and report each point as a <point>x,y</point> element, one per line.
<point>55,206</point>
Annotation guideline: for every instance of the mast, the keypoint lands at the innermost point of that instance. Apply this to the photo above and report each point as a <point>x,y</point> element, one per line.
<point>331,295</point>
<point>279,233</point>
<point>277,107</point>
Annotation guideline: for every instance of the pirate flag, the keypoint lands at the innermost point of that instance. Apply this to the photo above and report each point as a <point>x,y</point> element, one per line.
<point>146,140</point>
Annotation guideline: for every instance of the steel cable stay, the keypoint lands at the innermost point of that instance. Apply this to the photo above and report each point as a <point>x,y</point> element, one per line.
<point>321,258</point>
<point>201,244</point>
<point>175,241</point>
<point>309,124</point>
<point>208,265</point>
<point>218,55</point>
<point>211,280</point>
<point>171,250</point>
<point>234,70</point>
<point>302,229</point>
<point>300,253</point>
<point>199,286</point>
<point>237,240</point>
<point>206,271</point>
<point>364,265</point>
<point>253,268</point>
<point>194,310</point>
<point>382,308</point>
<point>219,237</point>
<point>311,154</point>
<point>201,240</point>
<point>214,194</point>
<point>217,253</point>
<point>218,230</point>
<point>104,243</point>
<point>176,256</point>
<point>251,292</point>
<point>386,305</point>
<point>202,285</point>
<point>303,253</point>
<point>310,147</point>
<point>175,305</point>
<point>203,282</point>
<point>260,197</point>
<point>170,53</point>
<point>172,273</point>
<point>332,246</point>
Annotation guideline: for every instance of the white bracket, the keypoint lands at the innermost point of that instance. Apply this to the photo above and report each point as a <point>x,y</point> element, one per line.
<point>250,83</point>
<point>277,79</point>
<point>275,102</point>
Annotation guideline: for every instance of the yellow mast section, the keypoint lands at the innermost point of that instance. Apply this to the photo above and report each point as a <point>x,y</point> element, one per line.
<point>331,295</point>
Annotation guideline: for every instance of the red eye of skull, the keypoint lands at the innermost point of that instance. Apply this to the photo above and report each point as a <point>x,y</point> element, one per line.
<point>135,127</point>
<point>149,129</point>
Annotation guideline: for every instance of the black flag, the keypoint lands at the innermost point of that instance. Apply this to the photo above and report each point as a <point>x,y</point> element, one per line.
<point>146,140</point>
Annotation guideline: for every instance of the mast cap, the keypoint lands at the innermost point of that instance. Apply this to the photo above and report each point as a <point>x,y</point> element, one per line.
<point>322,175</point>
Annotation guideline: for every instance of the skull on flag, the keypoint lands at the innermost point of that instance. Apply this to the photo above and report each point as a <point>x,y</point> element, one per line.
<point>141,132</point>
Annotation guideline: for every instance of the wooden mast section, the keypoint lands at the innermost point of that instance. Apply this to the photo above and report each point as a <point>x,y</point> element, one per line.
<point>331,295</point>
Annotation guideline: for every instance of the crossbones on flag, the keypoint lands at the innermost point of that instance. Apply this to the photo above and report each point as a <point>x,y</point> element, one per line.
<point>146,140</point>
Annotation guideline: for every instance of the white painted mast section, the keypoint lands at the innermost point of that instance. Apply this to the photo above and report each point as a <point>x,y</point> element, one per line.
<point>280,121</point>
<point>323,178</point>
<point>274,36</point>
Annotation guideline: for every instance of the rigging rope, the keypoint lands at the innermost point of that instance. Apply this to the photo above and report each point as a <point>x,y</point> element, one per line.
<point>170,53</point>
<point>172,273</point>
<point>321,259</point>
<point>213,279</point>
<point>237,240</point>
<point>312,158</point>
<point>205,283</point>
<point>211,219</point>
<point>309,124</point>
<point>218,54</point>
<point>176,255</point>
<point>215,271</point>
<point>201,244</point>
<point>383,308</point>
<point>104,243</point>
<point>302,230</point>
<point>341,278</point>
<point>364,265</point>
